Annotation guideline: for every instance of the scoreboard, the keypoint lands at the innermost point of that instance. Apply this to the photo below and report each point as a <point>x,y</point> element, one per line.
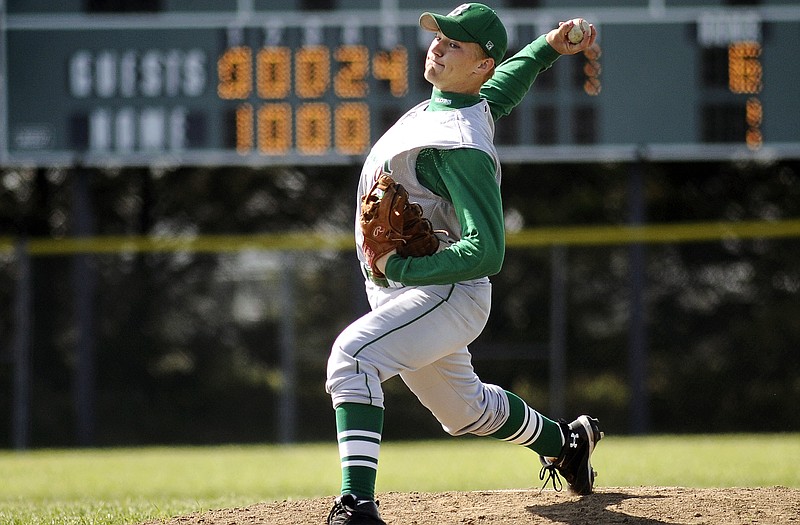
<point>265,87</point>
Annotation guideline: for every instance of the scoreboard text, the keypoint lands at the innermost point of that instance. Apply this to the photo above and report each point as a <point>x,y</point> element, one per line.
<point>321,90</point>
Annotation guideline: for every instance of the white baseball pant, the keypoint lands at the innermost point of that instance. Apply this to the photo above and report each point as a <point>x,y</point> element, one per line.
<point>420,333</point>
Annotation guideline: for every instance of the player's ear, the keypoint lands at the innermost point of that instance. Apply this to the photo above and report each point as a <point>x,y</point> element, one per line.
<point>486,65</point>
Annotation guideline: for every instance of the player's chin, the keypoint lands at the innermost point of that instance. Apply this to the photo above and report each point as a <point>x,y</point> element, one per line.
<point>430,65</point>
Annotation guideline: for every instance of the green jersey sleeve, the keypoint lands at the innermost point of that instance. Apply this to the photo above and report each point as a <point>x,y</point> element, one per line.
<point>465,177</point>
<point>514,77</point>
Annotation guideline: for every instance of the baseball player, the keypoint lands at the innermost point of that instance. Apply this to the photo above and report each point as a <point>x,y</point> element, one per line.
<point>426,310</point>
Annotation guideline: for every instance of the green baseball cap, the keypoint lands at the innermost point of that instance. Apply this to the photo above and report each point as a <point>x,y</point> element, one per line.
<point>471,22</point>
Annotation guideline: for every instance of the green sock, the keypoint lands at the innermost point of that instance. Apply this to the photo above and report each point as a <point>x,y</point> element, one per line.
<point>358,429</point>
<point>528,428</point>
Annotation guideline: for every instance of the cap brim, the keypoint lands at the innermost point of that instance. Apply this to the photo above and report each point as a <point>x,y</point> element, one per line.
<point>449,28</point>
<point>428,22</point>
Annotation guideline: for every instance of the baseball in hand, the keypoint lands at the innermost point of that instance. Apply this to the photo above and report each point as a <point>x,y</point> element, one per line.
<point>578,30</point>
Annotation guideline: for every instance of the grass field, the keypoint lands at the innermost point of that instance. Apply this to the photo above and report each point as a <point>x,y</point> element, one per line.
<point>127,486</point>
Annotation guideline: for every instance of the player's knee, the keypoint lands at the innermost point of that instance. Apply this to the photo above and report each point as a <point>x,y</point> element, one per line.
<point>340,363</point>
<point>453,431</point>
<point>459,423</point>
<point>481,417</point>
<point>352,381</point>
<point>477,427</point>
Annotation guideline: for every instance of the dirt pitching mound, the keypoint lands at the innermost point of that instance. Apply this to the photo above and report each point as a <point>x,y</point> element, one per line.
<point>624,505</point>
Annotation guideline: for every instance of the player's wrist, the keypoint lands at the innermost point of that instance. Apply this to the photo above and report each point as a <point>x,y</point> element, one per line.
<point>381,262</point>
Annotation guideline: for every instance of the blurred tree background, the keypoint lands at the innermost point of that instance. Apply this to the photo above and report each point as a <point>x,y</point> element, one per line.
<point>187,345</point>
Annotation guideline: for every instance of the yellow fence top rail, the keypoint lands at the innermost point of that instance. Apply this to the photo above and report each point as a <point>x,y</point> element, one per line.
<point>315,241</point>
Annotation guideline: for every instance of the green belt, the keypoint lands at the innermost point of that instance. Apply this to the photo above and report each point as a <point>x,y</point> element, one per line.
<point>383,282</point>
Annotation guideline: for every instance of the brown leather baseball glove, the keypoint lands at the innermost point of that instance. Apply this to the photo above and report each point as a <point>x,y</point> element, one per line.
<point>389,222</point>
<point>420,237</point>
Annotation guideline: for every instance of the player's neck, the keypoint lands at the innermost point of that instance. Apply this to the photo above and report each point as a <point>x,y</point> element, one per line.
<point>444,100</point>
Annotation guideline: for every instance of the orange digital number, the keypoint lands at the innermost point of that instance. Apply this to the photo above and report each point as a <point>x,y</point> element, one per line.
<point>591,70</point>
<point>754,115</point>
<point>754,139</point>
<point>244,128</point>
<point>312,71</point>
<point>744,67</point>
<point>274,128</point>
<point>274,72</point>
<point>352,128</point>
<point>313,128</point>
<point>350,80</point>
<point>745,76</point>
<point>392,66</point>
<point>234,68</point>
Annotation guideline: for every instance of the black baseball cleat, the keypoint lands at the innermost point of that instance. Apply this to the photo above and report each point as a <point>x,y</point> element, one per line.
<point>347,510</point>
<point>575,460</point>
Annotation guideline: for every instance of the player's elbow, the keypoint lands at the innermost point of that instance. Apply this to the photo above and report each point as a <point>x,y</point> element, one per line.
<point>495,263</point>
<point>491,255</point>
<point>495,268</point>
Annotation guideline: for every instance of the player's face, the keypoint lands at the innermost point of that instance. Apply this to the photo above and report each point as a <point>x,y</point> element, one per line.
<point>457,67</point>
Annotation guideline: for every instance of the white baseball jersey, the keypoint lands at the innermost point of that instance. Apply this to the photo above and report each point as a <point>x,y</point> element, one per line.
<point>396,153</point>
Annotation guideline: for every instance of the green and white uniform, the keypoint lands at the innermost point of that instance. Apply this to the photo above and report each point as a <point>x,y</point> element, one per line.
<point>428,309</point>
